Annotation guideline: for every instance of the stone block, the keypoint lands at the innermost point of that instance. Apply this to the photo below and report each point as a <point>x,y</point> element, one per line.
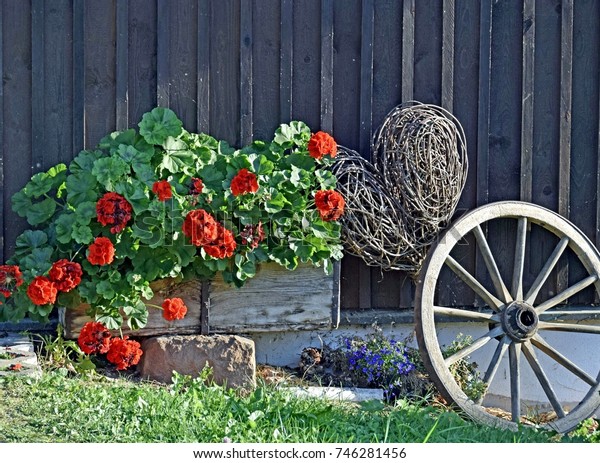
<point>232,358</point>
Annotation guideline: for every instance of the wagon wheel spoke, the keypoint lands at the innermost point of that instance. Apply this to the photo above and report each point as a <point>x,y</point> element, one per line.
<point>519,264</point>
<point>479,342</point>
<point>543,379</point>
<point>493,365</point>
<point>546,270</point>
<point>472,282</point>
<point>514,358</point>
<point>551,352</point>
<point>567,293</point>
<point>490,264</point>
<point>467,314</point>
<point>569,327</point>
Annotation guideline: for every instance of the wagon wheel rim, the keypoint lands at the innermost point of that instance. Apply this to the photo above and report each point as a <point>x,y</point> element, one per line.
<point>516,322</point>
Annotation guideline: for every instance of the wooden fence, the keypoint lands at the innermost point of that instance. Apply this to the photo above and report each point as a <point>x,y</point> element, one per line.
<point>521,75</point>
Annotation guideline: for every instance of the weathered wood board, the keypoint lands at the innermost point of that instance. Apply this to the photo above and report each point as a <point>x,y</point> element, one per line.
<point>276,299</point>
<point>73,320</point>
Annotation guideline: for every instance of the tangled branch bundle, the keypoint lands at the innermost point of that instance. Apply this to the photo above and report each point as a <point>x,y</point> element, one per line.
<point>396,207</point>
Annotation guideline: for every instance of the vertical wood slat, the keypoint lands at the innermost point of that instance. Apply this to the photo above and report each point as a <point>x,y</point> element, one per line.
<point>246,40</point>
<point>483,110</point>
<point>448,55</point>
<point>527,92</point>
<point>366,121</point>
<point>327,65</point>
<point>566,99</point>
<point>203,67</point>
<point>286,60</point>
<point>122,65</point>
<point>2,214</point>
<point>163,19</point>
<point>408,49</point>
<point>37,85</point>
<point>78,76</point>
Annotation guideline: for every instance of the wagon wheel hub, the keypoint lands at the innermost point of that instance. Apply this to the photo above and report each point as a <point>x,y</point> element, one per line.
<point>520,321</point>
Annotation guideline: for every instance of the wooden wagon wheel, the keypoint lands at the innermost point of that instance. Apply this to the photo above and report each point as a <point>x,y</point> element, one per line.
<point>517,319</point>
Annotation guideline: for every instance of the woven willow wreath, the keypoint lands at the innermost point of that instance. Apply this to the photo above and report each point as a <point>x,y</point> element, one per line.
<point>397,206</point>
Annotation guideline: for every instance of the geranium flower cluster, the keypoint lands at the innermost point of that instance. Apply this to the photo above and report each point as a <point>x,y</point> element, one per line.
<point>113,209</point>
<point>10,279</point>
<point>95,338</point>
<point>62,277</point>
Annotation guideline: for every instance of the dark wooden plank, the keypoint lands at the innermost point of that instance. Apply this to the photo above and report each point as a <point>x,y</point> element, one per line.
<point>78,73</point>
<point>366,75</point>
<point>286,63</point>
<point>205,307</point>
<point>58,81</point>
<point>327,65</point>
<point>584,136</point>
<point>203,66</point>
<point>163,46</point>
<point>266,52</point>
<point>527,100</point>
<point>17,118</point>
<point>141,89</point>
<point>408,49</point>
<point>448,20</point>
<point>2,148</point>
<point>38,142</point>
<point>225,71</point>
<point>428,46</point>
<point>566,99</point>
<point>122,71</point>
<point>366,121</point>
<point>246,81</point>
<point>483,107</point>
<point>182,78</point>
<point>100,58</point>
<point>504,155</point>
<point>306,80</point>
<point>346,118</point>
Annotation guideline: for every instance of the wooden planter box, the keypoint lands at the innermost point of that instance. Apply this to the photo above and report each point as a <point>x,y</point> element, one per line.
<point>276,299</point>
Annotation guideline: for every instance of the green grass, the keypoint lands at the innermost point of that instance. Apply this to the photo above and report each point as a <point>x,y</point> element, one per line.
<point>60,409</point>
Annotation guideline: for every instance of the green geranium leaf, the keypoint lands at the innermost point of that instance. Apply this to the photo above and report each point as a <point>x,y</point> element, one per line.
<point>82,234</point>
<point>115,140</point>
<point>111,321</point>
<point>159,124</point>
<point>131,155</point>
<point>70,299</point>
<point>212,177</point>
<point>38,262</point>
<point>134,192</point>
<point>177,157</point>
<point>21,203</point>
<point>41,183</point>
<point>105,289</point>
<point>31,239</point>
<point>276,203</point>
<point>64,227</point>
<point>84,161</point>
<point>137,315</point>
<point>86,211</point>
<point>301,161</point>
<point>224,149</point>
<point>41,212</point>
<point>125,245</point>
<point>21,305</point>
<point>81,188</point>
<point>108,171</point>
<point>326,179</point>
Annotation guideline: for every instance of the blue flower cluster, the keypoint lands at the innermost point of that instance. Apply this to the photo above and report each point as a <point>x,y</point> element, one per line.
<point>378,361</point>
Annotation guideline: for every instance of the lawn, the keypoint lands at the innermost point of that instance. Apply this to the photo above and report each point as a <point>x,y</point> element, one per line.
<point>57,408</point>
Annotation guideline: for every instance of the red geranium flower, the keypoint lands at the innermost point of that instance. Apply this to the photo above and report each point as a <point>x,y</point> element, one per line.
<point>200,227</point>
<point>223,246</point>
<point>65,274</point>
<point>174,309</point>
<point>163,190</point>
<point>101,251</point>
<point>320,144</point>
<point>42,291</point>
<point>113,209</point>
<point>94,338</point>
<point>10,278</point>
<point>124,352</point>
<point>15,367</point>
<point>330,204</point>
<point>244,182</point>
<point>196,187</point>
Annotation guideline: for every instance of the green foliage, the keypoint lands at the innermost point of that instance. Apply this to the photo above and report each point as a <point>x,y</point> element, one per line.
<point>465,372</point>
<point>61,206</point>
<point>58,354</point>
